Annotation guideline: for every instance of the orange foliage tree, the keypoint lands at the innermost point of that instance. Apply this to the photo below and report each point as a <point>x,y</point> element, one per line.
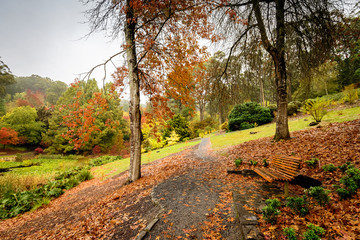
<point>160,37</point>
<point>80,121</point>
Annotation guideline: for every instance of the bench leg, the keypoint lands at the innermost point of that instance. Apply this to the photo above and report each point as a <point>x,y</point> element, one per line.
<point>286,189</point>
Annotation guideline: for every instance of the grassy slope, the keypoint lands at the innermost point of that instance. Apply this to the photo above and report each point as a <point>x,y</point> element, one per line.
<point>235,138</point>
<point>46,167</point>
<point>114,168</point>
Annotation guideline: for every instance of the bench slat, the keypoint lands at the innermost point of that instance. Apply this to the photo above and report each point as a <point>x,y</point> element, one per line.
<point>284,173</point>
<point>285,166</point>
<point>270,176</point>
<point>289,163</point>
<point>282,157</point>
<point>281,168</point>
<point>290,169</point>
<point>262,174</point>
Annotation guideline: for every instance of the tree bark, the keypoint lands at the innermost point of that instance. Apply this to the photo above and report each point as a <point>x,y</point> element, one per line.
<point>282,128</point>
<point>278,55</point>
<point>134,109</point>
<point>201,110</point>
<point>262,93</point>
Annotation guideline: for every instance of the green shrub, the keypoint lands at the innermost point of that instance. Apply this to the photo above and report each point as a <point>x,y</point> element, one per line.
<point>245,115</point>
<point>312,163</point>
<point>346,166</point>
<point>290,233</point>
<point>350,94</point>
<point>343,193</point>
<point>84,175</point>
<point>313,232</point>
<point>298,204</point>
<point>271,210</point>
<point>350,183</point>
<point>238,162</point>
<point>265,162</point>
<point>329,167</point>
<point>319,194</point>
<point>316,108</point>
<point>253,162</point>
<point>180,125</point>
<point>103,160</point>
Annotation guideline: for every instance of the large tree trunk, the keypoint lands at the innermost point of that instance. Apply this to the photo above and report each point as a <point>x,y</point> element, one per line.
<point>134,111</point>
<point>278,55</point>
<point>282,128</point>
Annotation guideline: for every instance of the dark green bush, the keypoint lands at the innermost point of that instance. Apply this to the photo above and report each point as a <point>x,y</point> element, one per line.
<point>329,167</point>
<point>312,163</point>
<point>350,183</point>
<point>265,162</point>
<point>343,193</point>
<point>238,162</point>
<point>313,232</point>
<point>253,162</point>
<point>298,204</point>
<point>319,194</point>
<point>271,210</point>
<point>290,233</point>
<point>245,115</point>
<point>180,126</point>
<point>346,166</point>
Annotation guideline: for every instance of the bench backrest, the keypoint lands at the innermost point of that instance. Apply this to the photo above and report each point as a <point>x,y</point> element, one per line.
<point>287,166</point>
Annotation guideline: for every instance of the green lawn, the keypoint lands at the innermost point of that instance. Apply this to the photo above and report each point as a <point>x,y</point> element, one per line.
<point>45,166</point>
<point>114,168</point>
<point>235,138</point>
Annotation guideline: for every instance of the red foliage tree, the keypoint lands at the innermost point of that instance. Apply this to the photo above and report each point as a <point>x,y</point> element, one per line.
<point>8,136</point>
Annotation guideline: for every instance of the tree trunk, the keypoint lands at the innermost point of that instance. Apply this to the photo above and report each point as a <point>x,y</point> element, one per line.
<point>282,128</point>
<point>262,93</point>
<point>289,78</point>
<point>201,109</point>
<point>278,55</point>
<point>134,110</point>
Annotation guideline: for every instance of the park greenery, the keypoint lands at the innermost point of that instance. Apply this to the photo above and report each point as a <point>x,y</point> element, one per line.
<point>289,67</point>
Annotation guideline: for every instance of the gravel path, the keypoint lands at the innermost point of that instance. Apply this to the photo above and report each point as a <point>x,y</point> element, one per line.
<point>188,202</point>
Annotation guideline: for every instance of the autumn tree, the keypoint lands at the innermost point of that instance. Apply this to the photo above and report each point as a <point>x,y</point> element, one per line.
<point>159,35</point>
<point>8,136</point>
<point>269,22</point>
<point>83,118</point>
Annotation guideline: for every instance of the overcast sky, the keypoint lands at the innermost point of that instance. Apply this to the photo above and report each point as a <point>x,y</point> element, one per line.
<point>43,37</point>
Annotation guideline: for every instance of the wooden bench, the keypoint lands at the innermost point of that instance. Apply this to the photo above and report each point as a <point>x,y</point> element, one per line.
<point>281,168</point>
